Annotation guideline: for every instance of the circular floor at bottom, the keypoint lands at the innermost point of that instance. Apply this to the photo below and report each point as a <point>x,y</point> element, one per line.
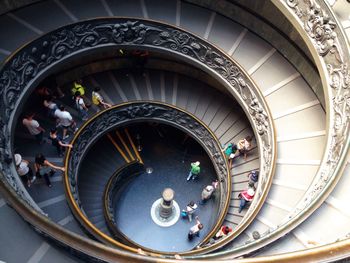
<point>170,160</point>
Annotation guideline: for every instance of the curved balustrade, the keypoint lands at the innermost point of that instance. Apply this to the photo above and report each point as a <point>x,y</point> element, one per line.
<point>117,180</point>
<point>126,113</point>
<point>329,47</point>
<point>314,22</point>
<point>26,67</point>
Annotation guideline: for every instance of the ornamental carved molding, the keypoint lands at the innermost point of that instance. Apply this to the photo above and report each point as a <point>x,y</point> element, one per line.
<point>328,40</point>
<point>143,111</point>
<point>121,115</point>
<point>33,61</point>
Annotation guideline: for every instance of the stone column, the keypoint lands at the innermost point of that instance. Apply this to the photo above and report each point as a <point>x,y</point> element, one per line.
<point>166,205</point>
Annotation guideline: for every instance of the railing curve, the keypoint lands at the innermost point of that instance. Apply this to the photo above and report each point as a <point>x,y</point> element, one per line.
<point>328,44</point>
<point>118,180</point>
<point>140,111</point>
<point>23,70</point>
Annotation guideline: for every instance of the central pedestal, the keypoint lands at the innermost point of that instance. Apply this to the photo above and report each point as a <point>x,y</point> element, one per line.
<point>166,206</point>
<point>165,211</point>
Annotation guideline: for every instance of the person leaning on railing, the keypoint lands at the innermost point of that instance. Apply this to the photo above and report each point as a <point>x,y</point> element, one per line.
<point>58,142</point>
<point>98,100</point>
<point>44,168</point>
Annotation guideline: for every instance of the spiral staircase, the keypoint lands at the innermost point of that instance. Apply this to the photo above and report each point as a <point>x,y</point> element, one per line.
<point>298,73</point>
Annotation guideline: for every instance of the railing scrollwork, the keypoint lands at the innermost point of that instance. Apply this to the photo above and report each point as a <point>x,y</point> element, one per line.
<point>35,61</point>
<point>114,185</point>
<point>123,114</point>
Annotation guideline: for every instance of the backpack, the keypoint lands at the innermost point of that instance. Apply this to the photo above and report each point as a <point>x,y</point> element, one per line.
<point>95,100</point>
<point>78,87</point>
<point>229,149</point>
<point>77,103</point>
<point>183,214</point>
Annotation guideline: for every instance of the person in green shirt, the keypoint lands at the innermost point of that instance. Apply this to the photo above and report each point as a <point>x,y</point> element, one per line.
<point>78,86</point>
<point>194,172</point>
<point>230,151</point>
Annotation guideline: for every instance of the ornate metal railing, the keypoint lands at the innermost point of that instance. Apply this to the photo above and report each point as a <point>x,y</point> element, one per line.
<point>312,18</point>
<point>121,115</point>
<point>329,47</point>
<point>35,61</point>
<point>114,185</point>
<point>320,16</point>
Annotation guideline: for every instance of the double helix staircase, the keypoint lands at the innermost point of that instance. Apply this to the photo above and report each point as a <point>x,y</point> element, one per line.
<point>96,170</point>
<point>299,119</point>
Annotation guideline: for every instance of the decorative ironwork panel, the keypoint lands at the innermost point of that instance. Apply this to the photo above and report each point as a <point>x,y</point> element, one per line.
<point>144,111</point>
<point>33,61</point>
<point>318,26</point>
<point>323,32</point>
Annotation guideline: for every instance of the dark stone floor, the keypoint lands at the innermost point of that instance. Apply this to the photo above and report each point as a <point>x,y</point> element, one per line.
<point>171,166</point>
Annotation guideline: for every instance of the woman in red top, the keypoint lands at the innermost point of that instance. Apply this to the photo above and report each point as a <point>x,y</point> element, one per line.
<point>246,196</point>
<point>224,231</point>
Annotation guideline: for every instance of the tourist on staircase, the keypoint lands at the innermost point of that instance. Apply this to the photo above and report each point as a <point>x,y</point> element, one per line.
<point>78,86</point>
<point>190,209</point>
<point>246,196</point>
<point>81,106</point>
<point>24,170</point>
<point>34,127</point>
<point>50,105</point>
<point>230,151</point>
<point>224,231</point>
<point>44,168</point>
<point>195,229</point>
<point>253,176</point>
<point>57,141</point>
<point>208,192</point>
<point>65,119</point>
<point>194,172</point>
<point>243,146</point>
<point>98,100</point>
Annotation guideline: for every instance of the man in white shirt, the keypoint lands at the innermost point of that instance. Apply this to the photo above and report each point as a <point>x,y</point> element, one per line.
<point>65,119</point>
<point>33,127</point>
<point>190,209</point>
<point>195,229</point>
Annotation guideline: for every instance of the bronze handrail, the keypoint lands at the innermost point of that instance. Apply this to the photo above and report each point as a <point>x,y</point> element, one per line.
<point>211,59</point>
<point>107,205</point>
<point>128,105</point>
